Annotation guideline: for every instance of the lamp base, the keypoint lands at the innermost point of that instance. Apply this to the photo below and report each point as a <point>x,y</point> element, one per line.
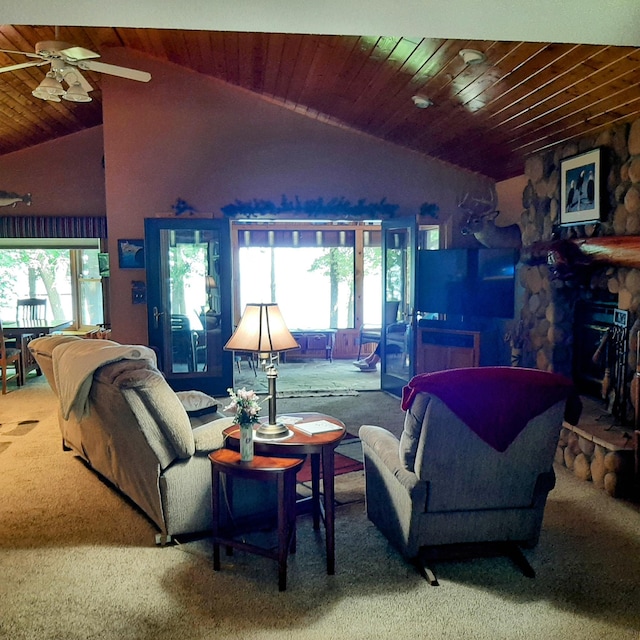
<point>272,431</point>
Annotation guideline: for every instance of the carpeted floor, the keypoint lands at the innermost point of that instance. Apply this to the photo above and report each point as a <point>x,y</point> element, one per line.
<point>77,561</point>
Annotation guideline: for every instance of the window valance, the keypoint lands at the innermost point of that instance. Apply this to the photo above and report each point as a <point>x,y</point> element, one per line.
<point>292,238</point>
<point>53,227</point>
<point>304,238</point>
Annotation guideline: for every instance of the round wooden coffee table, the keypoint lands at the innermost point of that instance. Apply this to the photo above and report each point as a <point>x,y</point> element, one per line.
<point>321,449</point>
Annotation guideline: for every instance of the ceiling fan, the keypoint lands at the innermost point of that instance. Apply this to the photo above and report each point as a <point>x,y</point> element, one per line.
<point>66,62</point>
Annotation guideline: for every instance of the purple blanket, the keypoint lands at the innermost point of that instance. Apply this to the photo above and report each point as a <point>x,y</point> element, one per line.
<point>495,402</point>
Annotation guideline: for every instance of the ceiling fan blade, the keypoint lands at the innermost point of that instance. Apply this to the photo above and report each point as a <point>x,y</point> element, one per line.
<point>78,53</point>
<point>21,53</point>
<point>112,69</point>
<point>23,65</point>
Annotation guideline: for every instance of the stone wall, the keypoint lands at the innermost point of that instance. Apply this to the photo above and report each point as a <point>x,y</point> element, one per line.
<point>548,301</point>
<point>549,295</point>
<point>608,465</point>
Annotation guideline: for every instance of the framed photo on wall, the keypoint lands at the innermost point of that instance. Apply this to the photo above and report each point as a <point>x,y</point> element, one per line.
<point>580,186</point>
<point>131,254</point>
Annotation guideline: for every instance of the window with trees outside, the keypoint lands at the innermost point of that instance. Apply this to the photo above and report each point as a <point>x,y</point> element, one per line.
<point>64,273</point>
<point>311,270</point>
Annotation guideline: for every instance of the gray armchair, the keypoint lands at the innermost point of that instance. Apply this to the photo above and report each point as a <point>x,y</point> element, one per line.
<point>473,463</point>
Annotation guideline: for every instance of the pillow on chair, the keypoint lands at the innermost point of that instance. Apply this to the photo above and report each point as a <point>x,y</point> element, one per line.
<point>196,402</point>
<point>200,407</point>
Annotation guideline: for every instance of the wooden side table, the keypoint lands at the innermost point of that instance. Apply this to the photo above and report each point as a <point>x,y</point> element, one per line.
<point>321,449</point>
<point>264,468</point>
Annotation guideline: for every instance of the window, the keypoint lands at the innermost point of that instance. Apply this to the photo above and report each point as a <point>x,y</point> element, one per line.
<point>310,270</point>
<point>313,286</point>
<point>429,237</point>
<point>89,287</point>
<point>372,286</point>
<point>68,278</point>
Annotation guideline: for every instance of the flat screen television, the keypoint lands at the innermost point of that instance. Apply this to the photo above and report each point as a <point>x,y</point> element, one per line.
<point>467,282</point>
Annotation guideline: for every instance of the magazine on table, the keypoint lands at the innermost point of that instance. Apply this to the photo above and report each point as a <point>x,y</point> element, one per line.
<point>317,426</point>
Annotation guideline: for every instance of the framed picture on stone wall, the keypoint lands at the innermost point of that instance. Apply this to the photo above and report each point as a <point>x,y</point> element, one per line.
<point>580,188</point>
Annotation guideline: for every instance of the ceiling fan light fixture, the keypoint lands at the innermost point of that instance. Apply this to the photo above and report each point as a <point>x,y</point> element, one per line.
<point>422,102</point>
<point>51,85</point>
<point>76,93</point>
<point>40,93</point>
<point>472,56</point>
<point>43,94</point>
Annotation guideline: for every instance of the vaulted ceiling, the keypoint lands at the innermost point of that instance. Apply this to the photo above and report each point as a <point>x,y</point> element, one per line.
<point>488,117</point>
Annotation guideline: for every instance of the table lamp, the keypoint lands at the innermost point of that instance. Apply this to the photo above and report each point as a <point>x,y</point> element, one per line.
<point>262,330</point>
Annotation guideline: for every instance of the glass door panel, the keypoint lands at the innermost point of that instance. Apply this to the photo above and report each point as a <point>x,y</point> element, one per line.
<point>398,331</point>
<point>189,301</point>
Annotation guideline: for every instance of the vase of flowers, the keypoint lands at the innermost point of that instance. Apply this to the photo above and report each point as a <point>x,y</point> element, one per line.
<point>246,406</point>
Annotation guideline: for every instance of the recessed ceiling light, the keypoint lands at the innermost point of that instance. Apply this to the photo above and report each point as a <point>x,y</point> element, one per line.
<point>422,102</point>
<point>471,56</point>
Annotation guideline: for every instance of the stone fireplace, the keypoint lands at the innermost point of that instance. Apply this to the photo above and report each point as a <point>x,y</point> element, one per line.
<point>570,313</point>
<point>594,347</point>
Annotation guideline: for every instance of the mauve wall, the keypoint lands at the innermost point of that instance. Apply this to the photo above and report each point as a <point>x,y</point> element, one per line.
<point>187,136</point>
<point>509,194</point>
<point>64,177</point>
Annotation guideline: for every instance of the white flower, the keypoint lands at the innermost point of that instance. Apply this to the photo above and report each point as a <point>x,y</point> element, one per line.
<point>245,404</point>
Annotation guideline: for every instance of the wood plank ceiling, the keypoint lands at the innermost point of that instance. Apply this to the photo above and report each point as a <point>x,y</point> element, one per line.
<point>485,117</point>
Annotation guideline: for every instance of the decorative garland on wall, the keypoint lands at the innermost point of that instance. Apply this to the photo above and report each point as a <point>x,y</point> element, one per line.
<point>336,207</point>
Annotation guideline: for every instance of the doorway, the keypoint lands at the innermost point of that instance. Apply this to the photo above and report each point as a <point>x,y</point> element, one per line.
<point>324,276</point>
<point>189,301</point>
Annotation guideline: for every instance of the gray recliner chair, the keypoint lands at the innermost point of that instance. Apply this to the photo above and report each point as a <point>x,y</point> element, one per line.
<point>473,464</point>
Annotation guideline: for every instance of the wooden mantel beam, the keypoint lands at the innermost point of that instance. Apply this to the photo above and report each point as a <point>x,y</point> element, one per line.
<point>577,253</point>
<point>620,251</point>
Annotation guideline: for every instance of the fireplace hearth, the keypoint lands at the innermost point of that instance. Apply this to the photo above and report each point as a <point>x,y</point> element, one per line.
<point>603,447</point>
<point>592,324</point>
<point>601,353</point>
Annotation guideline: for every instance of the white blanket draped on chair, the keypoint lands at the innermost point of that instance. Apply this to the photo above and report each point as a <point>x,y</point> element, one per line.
<point>75,362</point>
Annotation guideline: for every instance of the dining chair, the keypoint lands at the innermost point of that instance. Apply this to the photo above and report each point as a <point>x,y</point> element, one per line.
<point>31,311</point>
<point>184,341</point>
<point>247,356</point>
<point>373,334</point>
<point>9,357</point>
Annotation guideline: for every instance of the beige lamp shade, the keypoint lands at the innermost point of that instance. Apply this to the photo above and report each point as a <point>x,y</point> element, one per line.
<point>262,330</point>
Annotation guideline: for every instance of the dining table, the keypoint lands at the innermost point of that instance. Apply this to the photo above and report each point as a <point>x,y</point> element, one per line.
<point>23,333</point>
